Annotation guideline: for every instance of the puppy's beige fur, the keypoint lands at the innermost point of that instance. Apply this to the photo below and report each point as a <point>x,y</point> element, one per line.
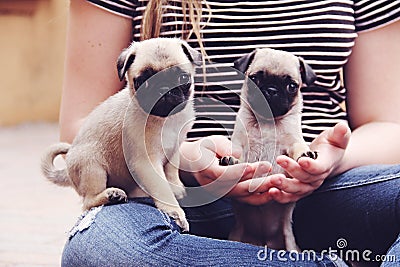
<point>119,143</point>
<point>269,224</point>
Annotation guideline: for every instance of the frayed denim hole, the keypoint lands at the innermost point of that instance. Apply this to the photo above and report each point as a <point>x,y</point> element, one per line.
<point>165,217</point>
<point>85,220</point>
<point>169,222</point>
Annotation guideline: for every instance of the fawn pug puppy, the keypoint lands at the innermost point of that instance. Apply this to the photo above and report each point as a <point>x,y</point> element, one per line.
<point>268,124</point>
<point>135,134</point>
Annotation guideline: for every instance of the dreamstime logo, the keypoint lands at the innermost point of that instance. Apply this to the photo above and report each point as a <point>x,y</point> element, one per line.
<point>341,243</point>
<point>142,129</point>
<point>341,251</point>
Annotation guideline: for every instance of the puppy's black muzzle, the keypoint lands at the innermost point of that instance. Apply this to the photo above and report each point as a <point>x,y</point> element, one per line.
<point>269,101</point>
<point>164,100</point>
<point>163,93</point>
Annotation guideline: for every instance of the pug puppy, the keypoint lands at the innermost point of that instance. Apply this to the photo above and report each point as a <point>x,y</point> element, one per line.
<point>130,142</point>
<point>268,124</point>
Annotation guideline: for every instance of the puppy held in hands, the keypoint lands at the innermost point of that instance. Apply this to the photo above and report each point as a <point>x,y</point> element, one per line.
<point>128,145</point>
<point>268,124</point>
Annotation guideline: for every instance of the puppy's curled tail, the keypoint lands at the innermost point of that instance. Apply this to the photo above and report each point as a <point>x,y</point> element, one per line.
<point>57,176</point>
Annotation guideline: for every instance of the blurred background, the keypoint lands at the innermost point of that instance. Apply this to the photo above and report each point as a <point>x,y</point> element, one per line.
<point>35,215</point>
<point>32,54</point>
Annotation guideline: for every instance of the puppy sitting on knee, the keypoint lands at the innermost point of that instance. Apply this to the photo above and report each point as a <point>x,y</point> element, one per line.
<point>130,142</point>
<point>268,124</point>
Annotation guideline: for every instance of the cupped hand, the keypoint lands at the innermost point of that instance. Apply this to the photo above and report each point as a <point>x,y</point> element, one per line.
<point>307,174</point>
<point>250,182</point>
<point>201,159</point>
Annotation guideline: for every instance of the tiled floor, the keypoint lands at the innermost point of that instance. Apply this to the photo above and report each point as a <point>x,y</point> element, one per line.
<point>35,215</point>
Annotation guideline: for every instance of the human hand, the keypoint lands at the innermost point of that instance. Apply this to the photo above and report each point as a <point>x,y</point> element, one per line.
<point>308,174</point>
<point>201,159</point>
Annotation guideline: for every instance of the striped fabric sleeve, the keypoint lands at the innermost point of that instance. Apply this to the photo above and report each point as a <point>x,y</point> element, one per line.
<point>372,14</point>
<point>124,8</point>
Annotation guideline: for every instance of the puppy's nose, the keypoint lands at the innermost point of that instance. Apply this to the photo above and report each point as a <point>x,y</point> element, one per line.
<point>164,90</point>
<point>272,91</point>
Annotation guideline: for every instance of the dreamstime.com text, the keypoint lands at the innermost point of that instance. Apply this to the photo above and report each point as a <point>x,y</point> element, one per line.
<point>352,255</point>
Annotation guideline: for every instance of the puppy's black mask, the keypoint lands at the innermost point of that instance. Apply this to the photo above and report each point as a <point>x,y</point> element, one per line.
<point>265,90</point>
<point>271,95</point>
<point>163,93</point>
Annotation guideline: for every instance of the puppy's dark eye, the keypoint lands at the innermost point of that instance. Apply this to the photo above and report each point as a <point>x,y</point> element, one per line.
<point>138,82</point>
<point>184,78</point>
<point>292,87</point>
<point>253,77</point>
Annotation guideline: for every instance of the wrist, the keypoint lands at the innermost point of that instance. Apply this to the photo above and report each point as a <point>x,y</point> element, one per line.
<point>342,166</point>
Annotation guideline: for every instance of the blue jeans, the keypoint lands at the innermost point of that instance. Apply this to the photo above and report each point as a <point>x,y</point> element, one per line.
<point>356,212</point>
<point>137,234</point>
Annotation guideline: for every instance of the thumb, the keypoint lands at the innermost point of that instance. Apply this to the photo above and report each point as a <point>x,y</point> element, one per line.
<point>339,136</point>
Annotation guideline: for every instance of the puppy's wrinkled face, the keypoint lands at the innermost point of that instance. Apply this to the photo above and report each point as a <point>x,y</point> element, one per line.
<point>278,92</point>
<point>160,74</point>
<point>273,81</point>
<point>163,93</point>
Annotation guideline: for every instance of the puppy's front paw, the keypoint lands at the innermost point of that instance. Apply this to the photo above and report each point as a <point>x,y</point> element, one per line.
<point>179,191</point>
<point>228,160</point>
<point>180,219</point>
<point>116,195</point>
<point>175,212</point>
<point>309,154</point>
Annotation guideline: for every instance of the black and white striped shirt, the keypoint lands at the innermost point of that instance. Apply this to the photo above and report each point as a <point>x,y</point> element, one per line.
<point>322,32</point>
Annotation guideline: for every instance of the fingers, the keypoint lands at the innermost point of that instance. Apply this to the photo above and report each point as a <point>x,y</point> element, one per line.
<point>306,169</point>
<point>223,179</point>
<point>229,173</point>
<point>288,190</point>
<point>312,167</point>
<point>330,146</point>
<point>255,186</point>
<point>339,135</point>
<point>233,173</point>
<point>274,187</point>
<point>309,173</point>
<point>243,171</point>
<point>294,186</point>
<point>260,195</point>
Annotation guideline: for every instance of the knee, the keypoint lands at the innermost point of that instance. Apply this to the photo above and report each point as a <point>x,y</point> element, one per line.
<point>113,245</point>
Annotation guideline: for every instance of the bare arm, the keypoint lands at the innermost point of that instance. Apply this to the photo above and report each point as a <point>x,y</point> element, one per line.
<point>372,79</point>
<point>95,38</point>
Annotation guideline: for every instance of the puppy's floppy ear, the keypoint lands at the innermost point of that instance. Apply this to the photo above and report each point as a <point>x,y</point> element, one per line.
<point>125,60</point>
<point>194,56</point>
<point>308,75</point>
<point>243,63</point>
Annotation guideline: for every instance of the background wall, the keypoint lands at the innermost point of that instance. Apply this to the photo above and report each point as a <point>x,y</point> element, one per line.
<point>32,34</point>
<point>36,215</point>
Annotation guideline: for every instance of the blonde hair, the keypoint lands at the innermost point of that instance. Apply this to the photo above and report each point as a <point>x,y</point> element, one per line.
<point>152,20</point>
